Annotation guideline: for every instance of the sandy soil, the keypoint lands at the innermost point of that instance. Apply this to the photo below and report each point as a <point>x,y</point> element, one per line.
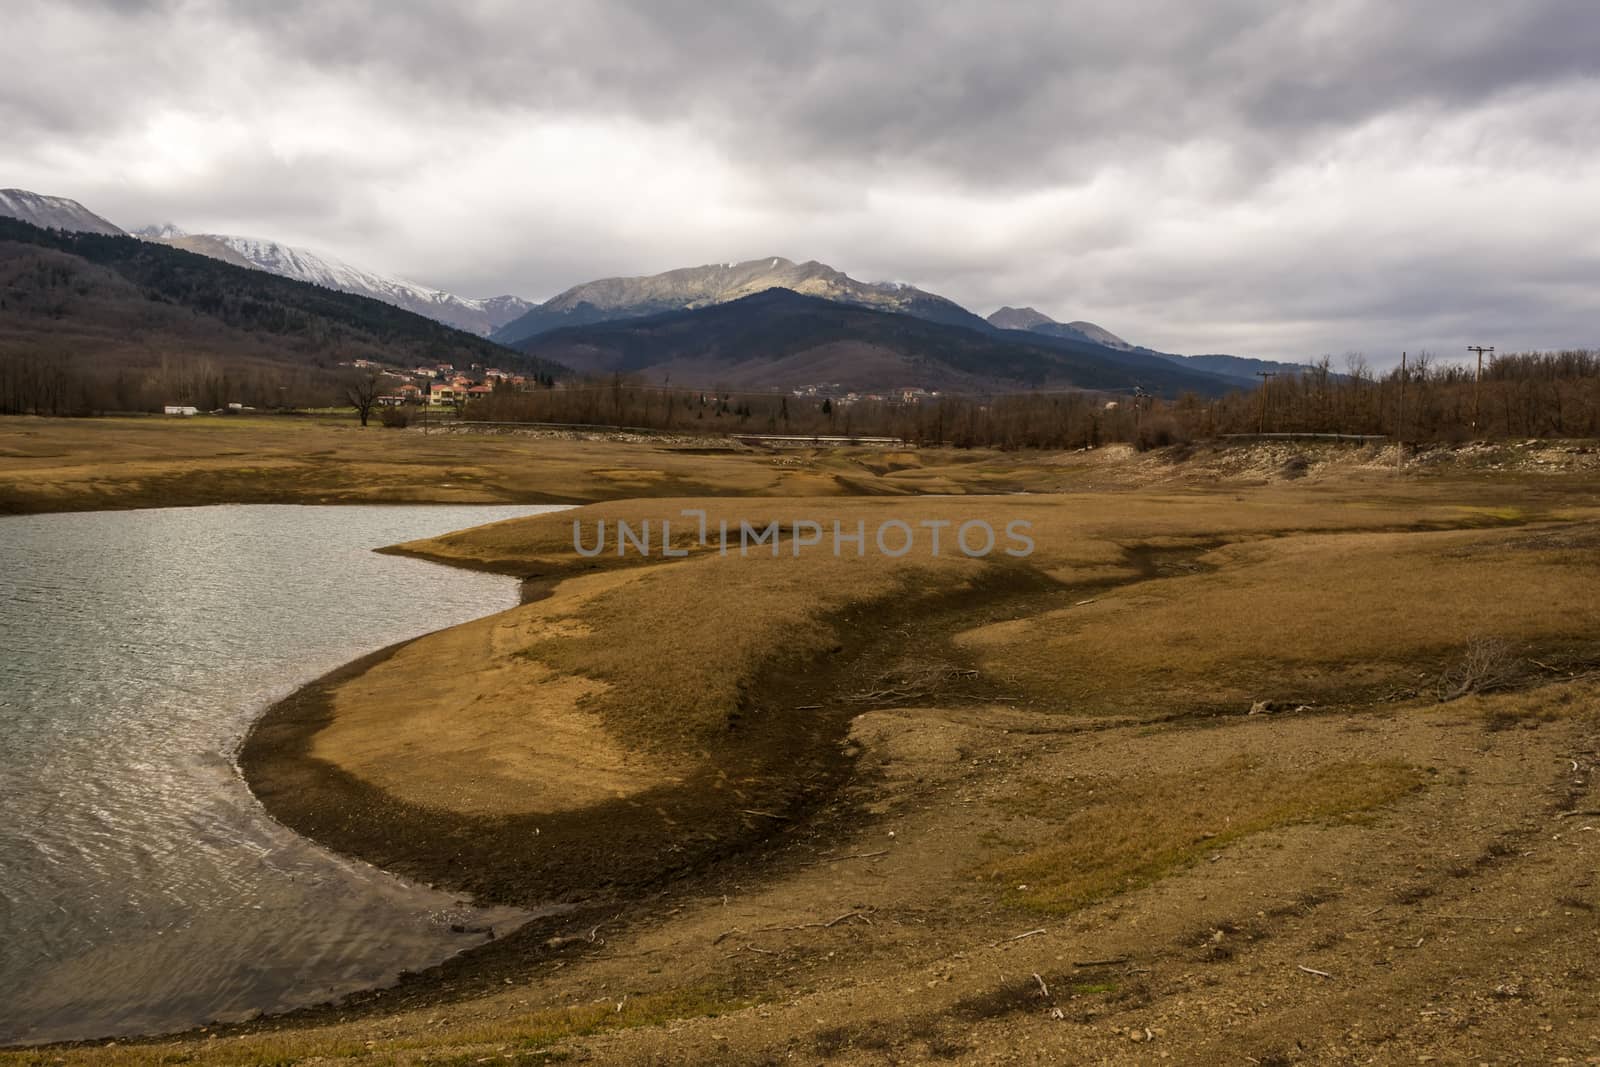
<point>503,737</point>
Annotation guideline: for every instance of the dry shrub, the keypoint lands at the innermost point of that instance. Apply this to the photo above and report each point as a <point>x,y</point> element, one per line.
<point>397,417</point>
<point>918,681</point>
<point>1488,663</point>
<point>1295,466</point>
<point>1159,431</point>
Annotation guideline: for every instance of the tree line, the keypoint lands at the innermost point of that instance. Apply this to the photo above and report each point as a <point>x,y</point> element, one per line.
<point>1528,395</point>
<point>1532,394</point>
<point>45,382</point>
<point>1522,395</point>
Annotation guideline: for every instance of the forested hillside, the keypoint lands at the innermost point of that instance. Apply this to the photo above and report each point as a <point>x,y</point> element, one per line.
<point>92,322</point>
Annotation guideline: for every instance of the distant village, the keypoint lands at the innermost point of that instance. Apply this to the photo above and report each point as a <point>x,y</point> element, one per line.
<point>442,385</point>
<point>833,392</point>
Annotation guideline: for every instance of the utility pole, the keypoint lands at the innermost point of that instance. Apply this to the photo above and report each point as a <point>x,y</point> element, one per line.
<point>1477,383</point>
<point>1265,376</point>
<point>1400,420</point>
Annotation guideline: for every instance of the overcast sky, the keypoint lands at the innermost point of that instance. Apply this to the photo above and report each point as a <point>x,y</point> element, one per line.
<point>1263,177</point>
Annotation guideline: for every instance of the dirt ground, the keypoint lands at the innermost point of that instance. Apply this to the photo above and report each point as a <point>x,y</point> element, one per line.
<point>1178,787</point>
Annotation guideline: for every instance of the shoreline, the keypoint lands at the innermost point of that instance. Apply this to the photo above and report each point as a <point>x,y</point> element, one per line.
<point>621,861</point>
<point>596,853</point>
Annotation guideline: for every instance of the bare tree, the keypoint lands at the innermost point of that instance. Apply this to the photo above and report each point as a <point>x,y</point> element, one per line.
<point>362,392</point>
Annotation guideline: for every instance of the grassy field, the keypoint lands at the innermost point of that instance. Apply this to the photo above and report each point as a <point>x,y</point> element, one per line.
<point>1178,785</point>
<point>83,464</point>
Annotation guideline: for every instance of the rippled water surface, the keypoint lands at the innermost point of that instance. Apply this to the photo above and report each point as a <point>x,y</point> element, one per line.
<point>141,885</point>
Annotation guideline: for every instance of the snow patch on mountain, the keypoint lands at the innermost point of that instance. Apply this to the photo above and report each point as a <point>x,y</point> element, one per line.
<point>158,231</point>
<point>480,316</point>
<point>53,212</point>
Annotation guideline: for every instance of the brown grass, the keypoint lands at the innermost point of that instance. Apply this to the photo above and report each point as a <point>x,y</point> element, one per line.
<point>668,659</point>
<point>1109,834</point>
<point>514,1037</point>
<point>79,464</point>
<point>1552,701</point>
<point>1301,619</point>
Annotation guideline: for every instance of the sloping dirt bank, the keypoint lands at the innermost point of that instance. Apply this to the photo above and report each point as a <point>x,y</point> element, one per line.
<point>494,775</point>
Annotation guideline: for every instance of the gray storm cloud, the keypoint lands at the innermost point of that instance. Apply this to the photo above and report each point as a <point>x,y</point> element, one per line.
<point>1273,179</point>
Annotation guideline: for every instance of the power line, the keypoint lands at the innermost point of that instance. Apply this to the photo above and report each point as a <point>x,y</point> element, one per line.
<point>1400,420</point>
<point>1477,383</point>
<point>1265,376</point>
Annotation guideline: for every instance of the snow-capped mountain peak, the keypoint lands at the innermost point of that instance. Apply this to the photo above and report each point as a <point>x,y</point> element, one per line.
<point>480,316</point>
<point>157,231</point>
<point>52,212</point>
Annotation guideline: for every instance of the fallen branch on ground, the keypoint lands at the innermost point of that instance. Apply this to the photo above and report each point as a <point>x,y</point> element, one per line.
<point>750,948</point>
<point>596,928</point>
<point>1019,937</point>
<point>763,814</point>
<point>912,685</point>
<point>862,915</point>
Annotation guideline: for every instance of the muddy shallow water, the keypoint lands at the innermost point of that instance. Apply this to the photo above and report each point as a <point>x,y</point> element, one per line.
<point>142,887</point>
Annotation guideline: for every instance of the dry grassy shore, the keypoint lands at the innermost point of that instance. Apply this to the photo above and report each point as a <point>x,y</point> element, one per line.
<point>86,464</point>
<point>1266,756</point>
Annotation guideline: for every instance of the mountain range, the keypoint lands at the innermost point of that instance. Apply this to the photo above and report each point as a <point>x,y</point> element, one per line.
<point>464,313</point>
<point>844,332</point>
<point>1238,371</point>
<point>110,305</point>
<point>1010,318</point>
<point>781,339</point>
<point>610,299</point>
<point>667,325</point>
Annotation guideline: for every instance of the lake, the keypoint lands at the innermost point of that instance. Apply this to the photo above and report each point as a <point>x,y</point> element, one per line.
<point>142,887</point>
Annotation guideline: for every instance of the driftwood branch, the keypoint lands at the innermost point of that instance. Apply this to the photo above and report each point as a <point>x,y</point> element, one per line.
<point>1019,937</point>
<point>863,915</point>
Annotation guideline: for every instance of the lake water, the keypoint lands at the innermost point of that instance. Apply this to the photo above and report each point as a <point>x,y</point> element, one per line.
<point>142,887</point>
